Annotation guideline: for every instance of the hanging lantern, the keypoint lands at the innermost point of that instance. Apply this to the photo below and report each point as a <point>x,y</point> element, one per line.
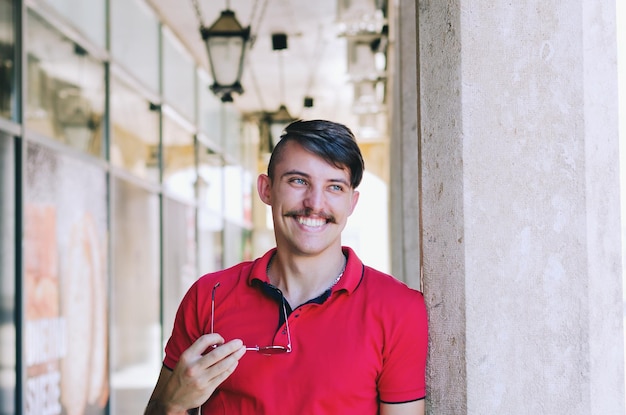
<point>226,41</point>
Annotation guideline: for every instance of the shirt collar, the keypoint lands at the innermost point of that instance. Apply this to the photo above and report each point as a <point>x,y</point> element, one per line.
<point>349,281</point>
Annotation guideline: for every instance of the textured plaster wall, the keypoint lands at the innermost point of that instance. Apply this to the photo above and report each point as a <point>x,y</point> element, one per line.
<point>520,206</point>
<point>443,245</point>
<point>404,188</point>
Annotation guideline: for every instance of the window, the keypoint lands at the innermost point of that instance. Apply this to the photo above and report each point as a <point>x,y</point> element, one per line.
<point>136,331</point>
<point>65,96</point>
<point>179,164</point>
<point>7,56</point>
<point>65,268</point>
<point>134,132</point>
<point>179,257</point>
<point>88,17</point>
<point>7,276</point>
<point>178,76</point>
<point>134,27</point>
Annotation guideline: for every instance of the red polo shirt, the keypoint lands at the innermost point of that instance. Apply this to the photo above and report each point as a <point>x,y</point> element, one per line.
<point>363,342</point>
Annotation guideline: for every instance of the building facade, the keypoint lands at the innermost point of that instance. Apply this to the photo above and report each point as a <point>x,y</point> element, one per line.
<point>117,167</point>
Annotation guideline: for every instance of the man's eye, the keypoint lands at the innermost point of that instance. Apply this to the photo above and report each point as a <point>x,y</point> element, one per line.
<point>336,188</point>
<point>297,180</point>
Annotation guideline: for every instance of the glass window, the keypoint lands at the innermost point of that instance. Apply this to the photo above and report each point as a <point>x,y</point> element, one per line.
<point>238,241</point>
<point>65,284</point>
<point>65,96</point>
<point>210,241</point>
<point>7,276</point>
<point>233,199</point>
<point>136,349</point>
<point>180,268</point>
<point>209,109</point>
<point>210,179</point>
<point>134,27</point>
<point>179,163</point>
<point>88,17</point>
<point>231,134</point>
<point>178,76</point>
<point>134,132</point>
<point>7,56</point>
<point>210,190</point>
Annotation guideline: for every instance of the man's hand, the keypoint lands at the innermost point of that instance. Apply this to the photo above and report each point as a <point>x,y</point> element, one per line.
<point>200,370</point>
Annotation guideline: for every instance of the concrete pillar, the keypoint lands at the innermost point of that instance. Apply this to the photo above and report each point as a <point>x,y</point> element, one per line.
<point>520,227</point>
<point>404,166</point>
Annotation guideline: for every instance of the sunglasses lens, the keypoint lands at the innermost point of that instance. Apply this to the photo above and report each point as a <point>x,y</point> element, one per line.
<point>269,350</point>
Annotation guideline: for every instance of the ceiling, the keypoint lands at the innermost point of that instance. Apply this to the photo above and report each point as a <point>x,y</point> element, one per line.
<point>313,65</point>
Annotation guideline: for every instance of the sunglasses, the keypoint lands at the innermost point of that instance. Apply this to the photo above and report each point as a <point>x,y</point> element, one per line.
<point>266,350</point>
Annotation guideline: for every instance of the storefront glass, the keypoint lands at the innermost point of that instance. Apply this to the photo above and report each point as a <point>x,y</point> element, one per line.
<point>178,77</point>
<point>179,164</point>
<point>136,348</point>
<point>134,132</point>
<point>65,261</point>
<point>209,110</point>
<point>65,89</point>
<point>88,17</point>
<point>134,27</point>
<point>7,276</point>
<point>210,189</point>
<point>7,52</point>
<point>180,267</point>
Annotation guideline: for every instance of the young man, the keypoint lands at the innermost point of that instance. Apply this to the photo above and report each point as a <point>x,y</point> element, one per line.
<point>306,328</point>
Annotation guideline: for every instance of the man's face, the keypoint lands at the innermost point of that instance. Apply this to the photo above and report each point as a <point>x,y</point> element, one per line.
<point>311,201</point>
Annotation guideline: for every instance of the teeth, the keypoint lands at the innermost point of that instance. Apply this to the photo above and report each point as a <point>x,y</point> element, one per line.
<point>311,222</point>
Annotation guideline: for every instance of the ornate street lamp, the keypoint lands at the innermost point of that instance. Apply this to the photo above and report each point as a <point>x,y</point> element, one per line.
<point>226,41</point>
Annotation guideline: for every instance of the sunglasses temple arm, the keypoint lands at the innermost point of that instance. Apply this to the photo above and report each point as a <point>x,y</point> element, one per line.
<point>287,325</point>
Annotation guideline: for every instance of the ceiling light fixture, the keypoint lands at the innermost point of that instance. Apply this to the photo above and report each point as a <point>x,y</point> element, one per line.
<point>226,41</point>
<point>281,118</point>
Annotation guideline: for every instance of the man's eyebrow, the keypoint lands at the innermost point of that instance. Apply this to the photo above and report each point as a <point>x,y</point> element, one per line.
<point>301,173</point>
<point>295,172</point>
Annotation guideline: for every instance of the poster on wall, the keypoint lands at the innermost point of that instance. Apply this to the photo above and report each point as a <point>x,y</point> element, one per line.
<point>65,261</point>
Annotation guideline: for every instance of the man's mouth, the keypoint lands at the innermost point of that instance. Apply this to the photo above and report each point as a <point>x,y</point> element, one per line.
<point>311,222</point>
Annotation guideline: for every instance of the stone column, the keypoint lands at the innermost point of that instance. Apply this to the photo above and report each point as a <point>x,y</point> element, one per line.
<point>519,185</point>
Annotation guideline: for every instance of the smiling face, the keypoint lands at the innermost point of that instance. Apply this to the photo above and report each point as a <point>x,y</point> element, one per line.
<point>311,201</point>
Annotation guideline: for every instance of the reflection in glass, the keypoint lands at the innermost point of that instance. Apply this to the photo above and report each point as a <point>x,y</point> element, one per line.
<point>179,257</point>
<point>210,186</point>
<point>7,277</point>
<point>231,134</point>
<point>233,202</point>
<point>65,349</point>
<point>210,190</point>
<point>210,241</point>
<point>178,76</point>
<point>136,335</point>
<point>179,166</point>
<point>65,95</point>
<point>7,45</point>
<point>88,17</point>
<point>209,109</point>
<point>239,242</point>
<point>134,132</point>
<point>134,27</point>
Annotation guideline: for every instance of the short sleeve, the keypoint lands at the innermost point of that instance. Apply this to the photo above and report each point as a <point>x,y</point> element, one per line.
<point>186,328</point>
<point>403,375</point>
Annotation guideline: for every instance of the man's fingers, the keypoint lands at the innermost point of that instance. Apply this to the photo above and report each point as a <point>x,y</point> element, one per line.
<point>204,342</point>
<point>233,349</point>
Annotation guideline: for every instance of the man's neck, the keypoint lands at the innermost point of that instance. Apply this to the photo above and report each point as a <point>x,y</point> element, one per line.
<point>302,278</point>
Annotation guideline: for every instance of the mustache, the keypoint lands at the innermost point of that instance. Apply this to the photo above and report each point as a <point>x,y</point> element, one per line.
<point>309,212</point>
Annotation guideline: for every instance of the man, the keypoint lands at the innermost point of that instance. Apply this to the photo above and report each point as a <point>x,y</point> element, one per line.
<point>306,328</point>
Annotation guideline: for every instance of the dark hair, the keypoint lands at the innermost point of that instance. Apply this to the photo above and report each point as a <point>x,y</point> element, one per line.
<point>329,140</point>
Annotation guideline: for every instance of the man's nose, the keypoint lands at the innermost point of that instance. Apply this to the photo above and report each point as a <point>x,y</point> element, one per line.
<point>314,198</point>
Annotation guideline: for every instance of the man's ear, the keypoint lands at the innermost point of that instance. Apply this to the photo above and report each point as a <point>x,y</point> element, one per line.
<point>355,199</point>
<point>264,186</point>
